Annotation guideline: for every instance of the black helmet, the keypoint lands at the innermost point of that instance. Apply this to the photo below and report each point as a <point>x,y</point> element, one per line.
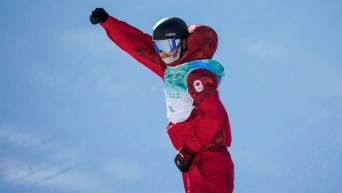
<point>170,28</point>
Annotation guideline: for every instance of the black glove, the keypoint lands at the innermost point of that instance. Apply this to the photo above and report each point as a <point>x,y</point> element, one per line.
<point>99,15</point>
<point>184,158</point>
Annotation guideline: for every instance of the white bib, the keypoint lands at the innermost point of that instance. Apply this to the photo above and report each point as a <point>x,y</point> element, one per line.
<point>179,102</point>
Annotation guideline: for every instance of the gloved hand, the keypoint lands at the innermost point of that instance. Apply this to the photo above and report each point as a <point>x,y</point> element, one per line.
<point>184,158</point>
<point>99,15</point>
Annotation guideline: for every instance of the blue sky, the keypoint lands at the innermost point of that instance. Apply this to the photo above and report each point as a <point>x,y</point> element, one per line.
<point>77,114</point>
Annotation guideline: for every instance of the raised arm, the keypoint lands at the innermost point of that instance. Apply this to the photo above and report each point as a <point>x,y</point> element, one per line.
<point>130,39</point>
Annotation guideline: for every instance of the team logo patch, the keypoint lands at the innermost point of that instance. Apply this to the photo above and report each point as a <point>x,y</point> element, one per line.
<point>198,85</point>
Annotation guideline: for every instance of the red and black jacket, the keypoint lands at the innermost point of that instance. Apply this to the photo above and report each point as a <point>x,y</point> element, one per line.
<point>208,125</point>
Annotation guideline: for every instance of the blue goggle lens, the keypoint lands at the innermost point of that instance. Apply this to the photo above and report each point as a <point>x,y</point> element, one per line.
<point>167,46</point>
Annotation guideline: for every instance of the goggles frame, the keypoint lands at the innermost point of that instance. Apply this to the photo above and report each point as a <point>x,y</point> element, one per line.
<point>167,45</point>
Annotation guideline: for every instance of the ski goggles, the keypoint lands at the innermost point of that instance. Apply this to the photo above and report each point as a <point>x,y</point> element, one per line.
<point>167,46</point>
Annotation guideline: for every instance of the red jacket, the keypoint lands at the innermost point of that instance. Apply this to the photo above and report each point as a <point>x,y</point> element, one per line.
<point>208,125</point>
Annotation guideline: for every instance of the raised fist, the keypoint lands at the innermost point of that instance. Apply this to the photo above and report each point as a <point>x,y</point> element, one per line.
<point>99,15</point>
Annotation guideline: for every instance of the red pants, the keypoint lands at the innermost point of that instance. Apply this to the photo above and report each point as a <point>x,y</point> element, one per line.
<point>210,172</point>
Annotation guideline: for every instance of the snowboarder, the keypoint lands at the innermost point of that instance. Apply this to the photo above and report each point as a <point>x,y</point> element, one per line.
<point>198,125</point>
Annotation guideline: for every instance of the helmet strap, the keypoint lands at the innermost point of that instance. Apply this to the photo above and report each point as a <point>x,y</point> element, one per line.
<point>184,47</point>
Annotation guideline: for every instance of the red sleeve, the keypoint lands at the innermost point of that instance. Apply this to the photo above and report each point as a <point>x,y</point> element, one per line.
<point>136,43</point>
<point>202,85</point>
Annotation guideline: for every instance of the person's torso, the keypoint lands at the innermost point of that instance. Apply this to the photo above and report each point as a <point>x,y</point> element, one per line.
<point>178,101</point>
